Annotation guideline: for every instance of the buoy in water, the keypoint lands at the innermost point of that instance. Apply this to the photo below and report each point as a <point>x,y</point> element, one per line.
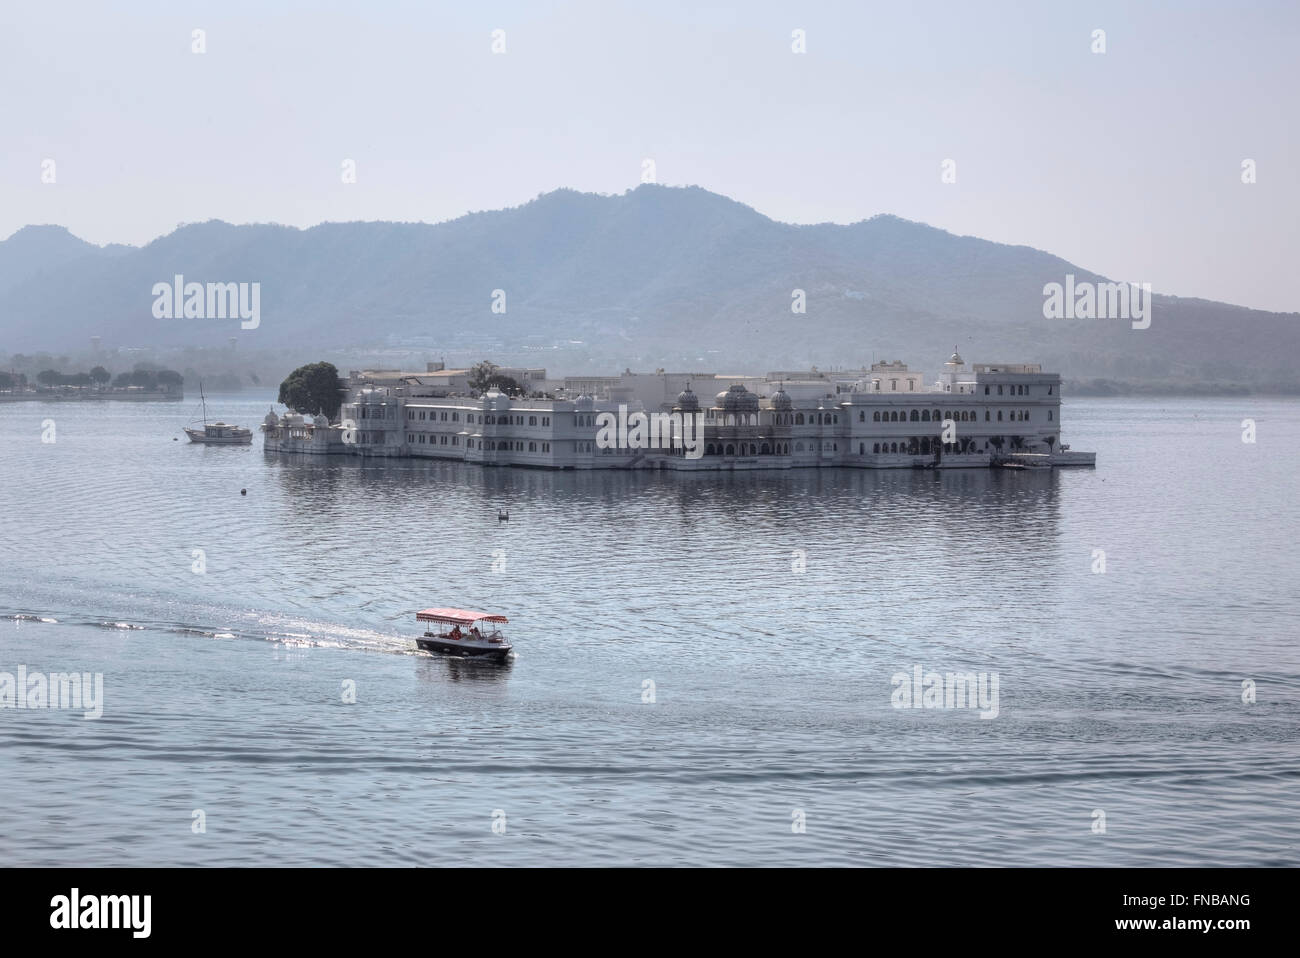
<point>243,492</point>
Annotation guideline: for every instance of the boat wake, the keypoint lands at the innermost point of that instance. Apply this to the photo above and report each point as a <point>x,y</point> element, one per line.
<point>295,634</point>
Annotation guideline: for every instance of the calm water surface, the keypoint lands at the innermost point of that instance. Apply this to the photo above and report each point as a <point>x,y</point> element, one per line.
<point>1119,692</point>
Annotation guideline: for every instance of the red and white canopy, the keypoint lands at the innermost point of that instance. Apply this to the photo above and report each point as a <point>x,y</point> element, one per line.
<point>458,616</point>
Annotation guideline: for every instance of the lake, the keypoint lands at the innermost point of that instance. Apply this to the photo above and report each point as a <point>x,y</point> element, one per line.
<point>708,665</point>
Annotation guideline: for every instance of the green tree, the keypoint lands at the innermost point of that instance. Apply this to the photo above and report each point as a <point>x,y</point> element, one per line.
<point>6,381</point>
<point>484,376</point>
<point>48,377</point>
<point>313,389</point>
<point>168,378</point>
<point>479,374</point>
<point>100,375</point>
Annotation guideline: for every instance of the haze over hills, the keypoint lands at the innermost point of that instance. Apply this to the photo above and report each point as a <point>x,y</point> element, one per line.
<point>658,276</point>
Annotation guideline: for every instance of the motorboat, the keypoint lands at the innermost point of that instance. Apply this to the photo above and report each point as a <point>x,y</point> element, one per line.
<point>464,633</point>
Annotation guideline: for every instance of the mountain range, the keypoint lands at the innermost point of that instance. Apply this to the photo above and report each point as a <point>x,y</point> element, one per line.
<point>674,277</point>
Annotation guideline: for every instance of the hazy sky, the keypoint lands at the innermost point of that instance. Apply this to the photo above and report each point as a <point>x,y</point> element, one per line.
<point>1127,163</point>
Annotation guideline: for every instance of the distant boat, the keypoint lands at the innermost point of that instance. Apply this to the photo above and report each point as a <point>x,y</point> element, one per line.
<point>217,433</point>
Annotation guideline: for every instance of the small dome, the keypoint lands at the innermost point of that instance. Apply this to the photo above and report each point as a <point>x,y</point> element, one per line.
<point>687,401</point>
<point>955,359</point>
<point>738,399</point>
<point>781,401</point>
<point>320,419</point>
<point>271,418</point>
<point>584,403</point>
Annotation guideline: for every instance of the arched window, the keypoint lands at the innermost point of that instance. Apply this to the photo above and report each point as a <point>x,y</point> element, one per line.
<point>731,450</point>
<point>916,417</point>
<point>1049,415</point>
<point>875,447</point>
<point>798,419</point>
<point>893,447</point>
<point>875,416</point>
<point>925,415</point>
<point>766,450</point>
<point>708,450</point>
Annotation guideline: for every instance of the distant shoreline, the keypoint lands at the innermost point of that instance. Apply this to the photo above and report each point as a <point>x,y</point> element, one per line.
<point>106,396</point>
<point>1104,388</point>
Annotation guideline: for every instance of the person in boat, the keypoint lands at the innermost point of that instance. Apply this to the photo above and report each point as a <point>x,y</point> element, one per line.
<point>455,632</point>
<point>475,634</point>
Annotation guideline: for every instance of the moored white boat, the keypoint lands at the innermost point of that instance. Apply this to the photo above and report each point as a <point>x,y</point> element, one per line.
<point>217,433</point>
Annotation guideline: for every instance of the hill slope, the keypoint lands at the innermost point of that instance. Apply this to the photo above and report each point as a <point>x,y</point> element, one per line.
<point>656,276</point>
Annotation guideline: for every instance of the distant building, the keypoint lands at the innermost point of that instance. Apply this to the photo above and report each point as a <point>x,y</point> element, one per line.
<point>882,418</point>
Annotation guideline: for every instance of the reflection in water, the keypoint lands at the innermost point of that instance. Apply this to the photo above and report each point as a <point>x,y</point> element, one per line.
<point>438,668</point>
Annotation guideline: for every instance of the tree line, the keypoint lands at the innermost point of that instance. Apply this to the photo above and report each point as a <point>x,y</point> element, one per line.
<point>153,379</point>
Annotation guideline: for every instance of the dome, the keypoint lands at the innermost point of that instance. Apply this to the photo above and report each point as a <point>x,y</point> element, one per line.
<point>781,401</point>
<point>687,401</point>
<point>955,359</point>
<point>271,419</point>
<point>738,399</point>
<point>584,403</point>
<point>320,419</point>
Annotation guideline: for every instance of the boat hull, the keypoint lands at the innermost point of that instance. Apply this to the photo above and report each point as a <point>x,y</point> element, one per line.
<point>197,435</point>
<point>460,649</point>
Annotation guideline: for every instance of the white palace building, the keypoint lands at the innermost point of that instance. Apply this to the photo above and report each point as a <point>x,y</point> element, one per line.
<point>995,414</point>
